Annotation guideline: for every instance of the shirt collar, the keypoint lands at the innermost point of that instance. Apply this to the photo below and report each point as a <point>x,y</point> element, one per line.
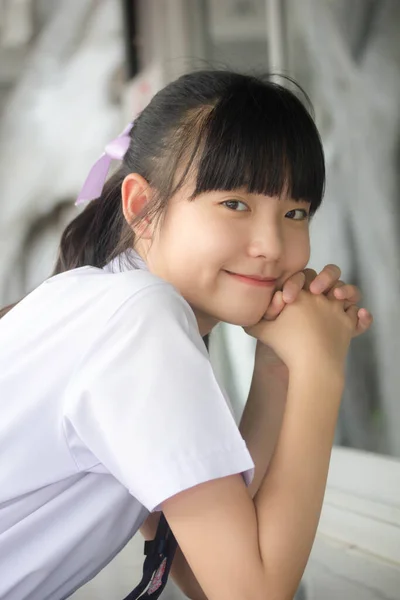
<point>126,261</point>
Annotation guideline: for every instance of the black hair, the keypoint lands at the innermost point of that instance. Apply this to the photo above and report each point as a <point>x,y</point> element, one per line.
<point>228,129</point>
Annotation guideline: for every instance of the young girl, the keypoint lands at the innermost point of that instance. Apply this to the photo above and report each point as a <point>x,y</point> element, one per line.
<point>110,408</point>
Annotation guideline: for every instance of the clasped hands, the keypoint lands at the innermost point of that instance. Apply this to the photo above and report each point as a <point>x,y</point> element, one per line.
<point>326,282</point>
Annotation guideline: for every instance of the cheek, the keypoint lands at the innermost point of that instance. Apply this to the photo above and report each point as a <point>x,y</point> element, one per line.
<point>298,251</point>
<point>191,246</point>
<point>204,238</point>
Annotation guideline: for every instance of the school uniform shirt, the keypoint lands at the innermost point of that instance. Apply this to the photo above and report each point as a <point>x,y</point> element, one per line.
<point>109,406</point>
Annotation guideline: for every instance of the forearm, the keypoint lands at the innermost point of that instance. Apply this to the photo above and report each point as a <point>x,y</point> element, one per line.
<point>262,417</point>
<point>260,425</point>
<point>289,501</point>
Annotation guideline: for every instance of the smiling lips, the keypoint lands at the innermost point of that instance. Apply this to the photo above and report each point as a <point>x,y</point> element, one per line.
<point>254,279</point>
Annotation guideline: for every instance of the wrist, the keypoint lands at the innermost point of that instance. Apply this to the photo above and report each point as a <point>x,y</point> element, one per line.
<point>265,355</point>
<point>267,361</point>
<point>323,374</point>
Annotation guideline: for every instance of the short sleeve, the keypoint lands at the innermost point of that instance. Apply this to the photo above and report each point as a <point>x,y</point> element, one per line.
<point>145,403</point>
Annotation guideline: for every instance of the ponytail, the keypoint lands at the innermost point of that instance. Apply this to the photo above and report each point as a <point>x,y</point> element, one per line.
<point>96,235</point>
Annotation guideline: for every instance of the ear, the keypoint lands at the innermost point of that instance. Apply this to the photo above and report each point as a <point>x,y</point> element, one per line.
<point>136,194</point>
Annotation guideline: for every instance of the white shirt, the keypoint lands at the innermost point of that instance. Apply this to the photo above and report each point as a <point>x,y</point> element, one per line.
<point>109,406</point>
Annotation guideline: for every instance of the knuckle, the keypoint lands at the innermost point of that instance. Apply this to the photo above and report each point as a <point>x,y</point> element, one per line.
<point>333,270</point>
<point>310,275</point>
<point>298,277</point>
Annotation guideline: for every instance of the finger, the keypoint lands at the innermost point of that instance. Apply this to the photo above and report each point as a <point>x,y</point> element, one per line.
<point>326,279</point>
<point>347,292</point>
<point>352,312</point>
<point>365,320</point>
<point>293,286</point>
<point>331,294</point>
<point>310,275</point>
<point>275,308</point>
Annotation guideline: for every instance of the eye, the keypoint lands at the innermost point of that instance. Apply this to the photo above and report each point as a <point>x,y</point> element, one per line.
<point>297,214</point>
<point>234,205</point>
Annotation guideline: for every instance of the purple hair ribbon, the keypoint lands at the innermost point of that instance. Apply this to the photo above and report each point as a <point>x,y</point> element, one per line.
<point>95,181</point>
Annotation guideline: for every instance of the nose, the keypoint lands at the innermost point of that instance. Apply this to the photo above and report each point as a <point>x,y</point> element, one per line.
<point>267,242</point>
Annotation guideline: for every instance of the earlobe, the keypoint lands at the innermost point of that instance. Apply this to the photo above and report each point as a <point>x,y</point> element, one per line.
<point>135,196</point>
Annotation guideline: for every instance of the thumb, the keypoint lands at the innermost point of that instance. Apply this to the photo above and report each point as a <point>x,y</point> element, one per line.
<point>275,308</point>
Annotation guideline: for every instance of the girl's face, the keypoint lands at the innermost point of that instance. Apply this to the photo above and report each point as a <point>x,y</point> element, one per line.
<point>216,248</point>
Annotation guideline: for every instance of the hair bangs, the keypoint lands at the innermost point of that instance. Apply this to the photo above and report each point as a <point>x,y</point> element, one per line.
<point>261,138</point>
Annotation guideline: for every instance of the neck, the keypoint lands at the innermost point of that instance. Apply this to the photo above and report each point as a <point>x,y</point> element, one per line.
<point>205,323</point>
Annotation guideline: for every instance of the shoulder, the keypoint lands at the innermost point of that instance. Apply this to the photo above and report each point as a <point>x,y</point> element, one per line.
<point>152,298</point>
<point>134,307</point>
<point>136,295</point>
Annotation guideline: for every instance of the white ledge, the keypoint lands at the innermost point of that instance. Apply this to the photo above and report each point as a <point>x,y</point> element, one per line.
<point>362,503</point>
<point>356,554</point>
